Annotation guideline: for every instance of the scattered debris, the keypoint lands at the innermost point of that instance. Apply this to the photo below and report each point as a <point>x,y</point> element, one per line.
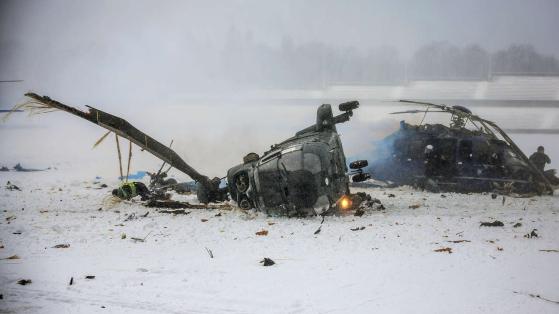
<point>493,196</point>
<point>270,223</point>
<point>123,236</point>
<point>357,229</point>
<point>182,205</point>
<point>550,250</point>
<point>140,239</point>
<point>516,225</point>
<point>175,212</point>
<point>391,195</point>
<point>89,277</point>
<point>71,281</point>
<point>458,241</point>
<point>318,230</point>
<point>267,262</point>
<point>13,257</point>
<point>503,200</point>
<point>262,232</point>
<point>495,223</point>
<point>171,204</point>
<point>24,282</point>
<point>443,196</point>
<point>444,249</point>
<point>537,296</point>
<point>19,168</point>
<point>532,234</point>
<point>499,248</point>
<point>217,215</point>
<point>61,246</point>
<point>414,206</point>
<point>368,203</point>
<point>12,187</point>
<point>130,217</point>
<point>210,253</point>
<point>203,220</point>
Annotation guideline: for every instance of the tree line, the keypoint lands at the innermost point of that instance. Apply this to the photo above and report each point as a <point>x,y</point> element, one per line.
<point>315,65</point>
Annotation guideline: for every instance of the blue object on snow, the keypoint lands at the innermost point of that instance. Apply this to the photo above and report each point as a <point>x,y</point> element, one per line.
<point>135,176</point>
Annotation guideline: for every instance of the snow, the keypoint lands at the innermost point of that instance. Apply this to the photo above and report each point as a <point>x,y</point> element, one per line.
<point>389,267</point>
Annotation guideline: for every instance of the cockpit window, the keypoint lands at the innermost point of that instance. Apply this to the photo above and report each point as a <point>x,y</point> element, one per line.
<point>312,163</point>
<point>292,161</point>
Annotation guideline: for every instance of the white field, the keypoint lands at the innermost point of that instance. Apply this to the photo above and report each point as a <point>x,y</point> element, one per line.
<point>389,267</point>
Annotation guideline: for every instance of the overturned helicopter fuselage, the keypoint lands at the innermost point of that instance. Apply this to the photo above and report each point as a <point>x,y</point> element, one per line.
<point>471,154</point>
<point>305,174</point>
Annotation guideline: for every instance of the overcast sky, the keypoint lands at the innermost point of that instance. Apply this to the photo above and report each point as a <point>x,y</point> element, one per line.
<point>70,46</point>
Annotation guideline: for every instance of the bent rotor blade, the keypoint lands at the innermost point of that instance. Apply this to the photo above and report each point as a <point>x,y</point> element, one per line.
<point>442,107</point>
<point>124,129</point>
<point>414,111</point>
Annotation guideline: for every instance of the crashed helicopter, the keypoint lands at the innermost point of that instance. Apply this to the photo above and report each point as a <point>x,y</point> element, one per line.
<point>468,154</point>
<point>303,175</point>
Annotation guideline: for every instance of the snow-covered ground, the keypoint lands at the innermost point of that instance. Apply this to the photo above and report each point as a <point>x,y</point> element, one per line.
<point>389,266</point>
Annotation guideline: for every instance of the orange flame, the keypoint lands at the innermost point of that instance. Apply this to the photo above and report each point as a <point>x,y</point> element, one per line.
<point>344,202</point>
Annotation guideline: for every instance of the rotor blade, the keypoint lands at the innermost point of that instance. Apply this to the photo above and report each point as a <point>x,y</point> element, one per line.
<point>532,131</point>
<point>443,107</point>
<point>417,102</point>
<point>535,171</point>
<point>415,111</point>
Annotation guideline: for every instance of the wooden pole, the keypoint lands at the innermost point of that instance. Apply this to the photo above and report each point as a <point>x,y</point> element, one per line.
<point>119,156</point>
<point>129,159</point>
